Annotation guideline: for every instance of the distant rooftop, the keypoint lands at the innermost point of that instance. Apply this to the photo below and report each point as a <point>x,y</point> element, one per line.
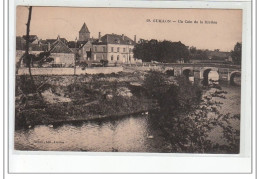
<point>84,29</point>
<point>115,39</point>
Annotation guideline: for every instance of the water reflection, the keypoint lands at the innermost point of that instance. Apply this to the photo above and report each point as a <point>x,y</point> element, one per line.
<point>128,134</point>
<point>138,133</point>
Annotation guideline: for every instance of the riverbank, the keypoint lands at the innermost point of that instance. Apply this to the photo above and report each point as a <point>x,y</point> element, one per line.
<point>79,98</point>
<point>183,117</point>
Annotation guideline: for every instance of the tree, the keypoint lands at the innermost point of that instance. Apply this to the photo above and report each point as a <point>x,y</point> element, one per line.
<point>162,51</point>
<point>183,116</point>
<point>41,58</point>
<point>147,51</point>
<point>27,57</point>
<point>198,54</point>
<point>30,58</point>
<point>236,53</point>
<point>193,50</point>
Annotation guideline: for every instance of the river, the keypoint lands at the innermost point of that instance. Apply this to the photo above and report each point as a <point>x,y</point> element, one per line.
<point>128,134</point>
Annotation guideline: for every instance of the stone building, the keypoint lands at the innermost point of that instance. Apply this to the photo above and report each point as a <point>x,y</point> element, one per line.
<point>116,49</point>
<point>84,34</point>
<point>83,46</point>
<point>113,48</point>
<point>63,56</point>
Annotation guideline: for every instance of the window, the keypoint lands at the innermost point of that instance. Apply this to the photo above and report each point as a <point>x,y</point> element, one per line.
<point>112,57</point>
<point>123,49</point>
<point>129,58</point>
<point>130,50</point>
<point>104,49</point>
<point>117,49</point>
<point>117,57</point>
<point>112,49</point>
<point>95,49</point>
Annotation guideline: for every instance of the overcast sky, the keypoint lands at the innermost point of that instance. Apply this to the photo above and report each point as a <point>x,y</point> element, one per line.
<point>49,22</point>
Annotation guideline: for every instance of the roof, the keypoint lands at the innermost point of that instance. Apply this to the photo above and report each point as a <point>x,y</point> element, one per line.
<point>115,39</point>
<point>20,43</point>
<point>84,29</point>
<point>60,47</point>
<point>51,41</point>
<point>218,54</point>
<point>78,44</point>
<point>57,45</point>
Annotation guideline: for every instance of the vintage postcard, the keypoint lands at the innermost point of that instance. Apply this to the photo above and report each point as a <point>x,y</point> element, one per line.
<point>128,80</point>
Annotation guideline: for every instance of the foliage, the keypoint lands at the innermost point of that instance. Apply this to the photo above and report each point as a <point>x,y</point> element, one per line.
<point>40,59</point>
<point>161,51</point>
<point>104,62</point>
<point>198,54</point>
<point>236,53</point>
<point>180,94</point>
<point>186,119</point>
<point>83,65</point>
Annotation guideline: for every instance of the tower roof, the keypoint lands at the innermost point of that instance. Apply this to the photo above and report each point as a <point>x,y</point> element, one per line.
<point>84,29</point>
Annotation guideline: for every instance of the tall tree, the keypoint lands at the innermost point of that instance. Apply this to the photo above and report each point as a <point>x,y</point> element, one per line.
<point>162,51</point>
<point>236,53</point>
<point>27,57</point>
<point>27,38</point>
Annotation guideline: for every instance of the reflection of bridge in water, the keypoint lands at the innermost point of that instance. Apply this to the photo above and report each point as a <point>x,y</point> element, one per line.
<point>225,72</point>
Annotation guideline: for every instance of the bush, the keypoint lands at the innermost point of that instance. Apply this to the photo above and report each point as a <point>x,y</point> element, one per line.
<point>26,85</point>
<point>171,96</point>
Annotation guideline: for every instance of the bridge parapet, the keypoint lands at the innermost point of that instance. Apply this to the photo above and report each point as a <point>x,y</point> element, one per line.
<point>199,71</point>
<point>220,65</point>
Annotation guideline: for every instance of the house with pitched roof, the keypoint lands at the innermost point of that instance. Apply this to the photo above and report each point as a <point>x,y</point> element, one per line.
<point>83,46</point>
<point>63,56</point>
<point>116,49</point>
<point>113,48</point>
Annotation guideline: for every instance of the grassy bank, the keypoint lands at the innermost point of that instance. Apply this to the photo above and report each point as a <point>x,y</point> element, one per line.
<point>72,98</point>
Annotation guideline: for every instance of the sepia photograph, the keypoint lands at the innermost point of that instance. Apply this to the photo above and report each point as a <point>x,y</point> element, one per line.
<point>144,80</point>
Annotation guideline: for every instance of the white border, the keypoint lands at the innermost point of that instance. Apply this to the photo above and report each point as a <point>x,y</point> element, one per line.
<point>79,162</point>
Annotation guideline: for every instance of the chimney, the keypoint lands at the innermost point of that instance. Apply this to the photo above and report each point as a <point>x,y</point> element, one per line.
<point>123,36</point>
<point>49,46</point>
<point>99,35</point>
<point>58,37</point>
<point>135,38</point>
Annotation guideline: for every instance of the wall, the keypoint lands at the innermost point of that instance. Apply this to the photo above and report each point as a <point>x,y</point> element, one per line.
<point>98,53</point>
<point>67,59</point>
<point>84,36</point>
<point>123,55</point>
<point>19,54</point>
<point>69,71</point>
<point>86,47</point>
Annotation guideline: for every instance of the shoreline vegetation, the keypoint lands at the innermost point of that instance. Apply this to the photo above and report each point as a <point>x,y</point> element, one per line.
<point>76,98</point>
<point>176,106</point>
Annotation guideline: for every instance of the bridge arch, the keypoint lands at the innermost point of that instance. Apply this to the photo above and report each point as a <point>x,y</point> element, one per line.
<point>232,77</point>
<point>170,71</point>
<point>187,72</point>
<point>209,74</point>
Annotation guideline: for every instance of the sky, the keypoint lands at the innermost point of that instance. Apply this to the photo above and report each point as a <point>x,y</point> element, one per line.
<point>223,33</point>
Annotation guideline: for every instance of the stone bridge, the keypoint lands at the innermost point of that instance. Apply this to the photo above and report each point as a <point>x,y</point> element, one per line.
<point>222,72</point>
